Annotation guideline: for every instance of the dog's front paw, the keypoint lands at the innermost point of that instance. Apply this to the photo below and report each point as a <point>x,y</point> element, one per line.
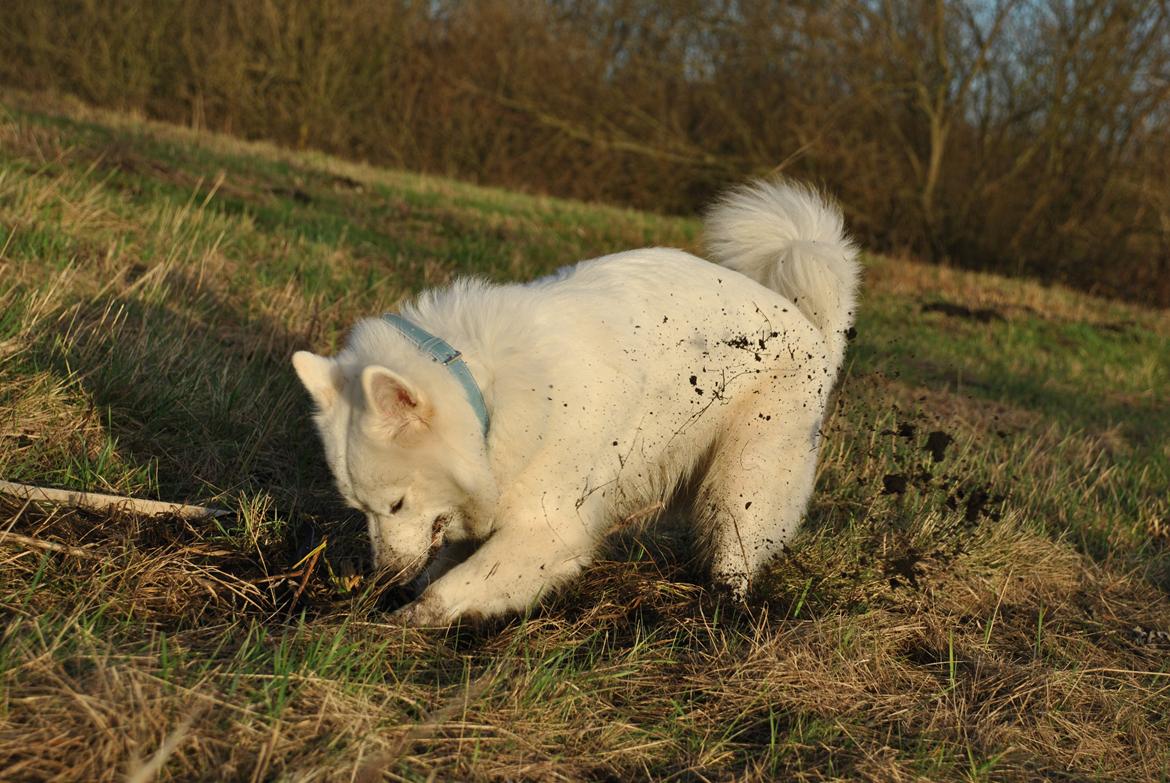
<point>431,611</point>
<point>425,612</point>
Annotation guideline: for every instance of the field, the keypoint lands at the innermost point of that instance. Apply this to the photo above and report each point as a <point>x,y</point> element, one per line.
<point>980,592</point>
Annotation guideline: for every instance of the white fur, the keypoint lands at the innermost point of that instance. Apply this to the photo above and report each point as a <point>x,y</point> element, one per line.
<point>792,240</point>
<point>608,384</point>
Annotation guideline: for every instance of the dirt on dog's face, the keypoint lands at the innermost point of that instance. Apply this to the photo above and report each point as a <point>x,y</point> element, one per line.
<point>395,458</point>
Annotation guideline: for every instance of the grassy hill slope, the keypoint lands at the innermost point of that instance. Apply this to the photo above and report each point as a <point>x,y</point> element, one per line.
<point>980,591</point>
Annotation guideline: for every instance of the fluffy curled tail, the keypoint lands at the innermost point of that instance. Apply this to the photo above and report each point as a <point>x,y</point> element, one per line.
<point>791,239</point>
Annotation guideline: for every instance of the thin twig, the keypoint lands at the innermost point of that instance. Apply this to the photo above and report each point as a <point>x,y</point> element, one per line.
<point>310,561</point>
<point>1133,672</point>
<point>94,501</point>
<point>265,580</point>
<point>51,546</point>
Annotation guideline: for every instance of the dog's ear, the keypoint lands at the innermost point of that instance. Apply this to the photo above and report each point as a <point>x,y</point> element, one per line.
<point>321,376</point>
<point>394,400</point>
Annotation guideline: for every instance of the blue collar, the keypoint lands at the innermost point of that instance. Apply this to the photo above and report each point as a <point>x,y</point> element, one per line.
<point>447,356</point>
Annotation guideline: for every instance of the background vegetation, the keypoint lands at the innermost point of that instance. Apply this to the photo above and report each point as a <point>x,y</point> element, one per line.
<point>1022,136</point>
<point>980,592</point>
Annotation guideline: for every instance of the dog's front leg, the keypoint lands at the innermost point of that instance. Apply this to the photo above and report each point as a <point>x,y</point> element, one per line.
<point>451,555</point>
<point>508,573</point>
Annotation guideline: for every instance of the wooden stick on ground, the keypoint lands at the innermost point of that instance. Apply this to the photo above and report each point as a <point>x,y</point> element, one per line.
<point>94,501</point>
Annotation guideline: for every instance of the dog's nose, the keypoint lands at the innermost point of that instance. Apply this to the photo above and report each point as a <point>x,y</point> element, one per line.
<point>398,568</point>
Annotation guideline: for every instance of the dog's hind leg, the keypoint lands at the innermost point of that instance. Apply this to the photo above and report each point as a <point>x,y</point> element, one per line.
<point>758,484</point>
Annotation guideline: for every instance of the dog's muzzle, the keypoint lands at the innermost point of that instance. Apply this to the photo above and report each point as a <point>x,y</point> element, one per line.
<point>402,570</point>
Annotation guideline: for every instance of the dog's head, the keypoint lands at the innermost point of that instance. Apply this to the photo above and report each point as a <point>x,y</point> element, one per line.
<point>405,448</point>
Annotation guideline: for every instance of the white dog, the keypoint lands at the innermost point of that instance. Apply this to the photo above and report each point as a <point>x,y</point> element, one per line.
<point>589,395</point>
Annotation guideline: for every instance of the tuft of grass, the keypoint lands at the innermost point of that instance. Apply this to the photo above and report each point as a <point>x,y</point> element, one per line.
<point>980,592</point>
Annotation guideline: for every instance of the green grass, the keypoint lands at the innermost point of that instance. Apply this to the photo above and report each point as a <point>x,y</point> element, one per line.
<point>989,615</point>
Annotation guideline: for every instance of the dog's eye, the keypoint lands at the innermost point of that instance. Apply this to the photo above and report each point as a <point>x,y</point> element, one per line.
<point>397,505</point>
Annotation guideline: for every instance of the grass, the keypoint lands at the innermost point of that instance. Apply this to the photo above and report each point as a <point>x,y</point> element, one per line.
<point>980,592</point>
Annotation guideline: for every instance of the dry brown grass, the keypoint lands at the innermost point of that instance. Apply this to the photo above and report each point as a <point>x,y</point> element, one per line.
<point>988,647</point>
<point>1005,296</point>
